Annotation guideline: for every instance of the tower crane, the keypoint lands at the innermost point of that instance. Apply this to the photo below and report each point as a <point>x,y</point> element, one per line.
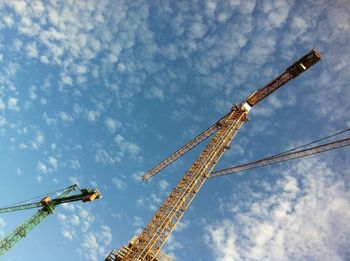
<point>147,245</point>
<point>47,205</point>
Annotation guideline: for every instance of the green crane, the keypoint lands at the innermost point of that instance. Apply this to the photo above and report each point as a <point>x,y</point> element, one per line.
<point>47,206</point>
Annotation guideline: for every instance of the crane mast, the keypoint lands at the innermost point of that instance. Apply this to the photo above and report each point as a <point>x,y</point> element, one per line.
<point>149,242</point>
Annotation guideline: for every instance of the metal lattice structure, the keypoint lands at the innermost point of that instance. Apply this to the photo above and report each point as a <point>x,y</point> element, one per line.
<point>148,244</point>
<point>282,157</point>
<point>47,206</point>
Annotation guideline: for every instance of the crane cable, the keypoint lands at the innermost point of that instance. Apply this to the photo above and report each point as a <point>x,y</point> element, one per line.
<point>310,143</point>
<point>226,171</point>
<point>35,198</point>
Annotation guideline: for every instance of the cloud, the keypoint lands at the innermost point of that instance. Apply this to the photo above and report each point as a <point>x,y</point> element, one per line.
<point>155,93</point>
<point>32,50</point>
<point>8,20</point>
<point>65,117</point>
<point>138,223</point>
<point>96,245</point>
<point>163,184</point>
<point>197,30</point>
<point>2,225</point>
<point>151,202</point>
<point>127,147</point>
<point>92,116</point>
<point>119,184</point>
<point>112,124</point>
<point>41,167</point>
<point>53,162</point>
<point>12,104</point>
<point>302,216</point>
<point>105,157</point>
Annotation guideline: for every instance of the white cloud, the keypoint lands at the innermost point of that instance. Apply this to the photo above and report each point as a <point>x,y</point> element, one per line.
<point>68,234</point>
<point>112,124</point>
<point>32,50</point>
<point>61,217</point>
<point>137,176</point>
<point>106,235</point>
<point>151,202</point>
<point>37,7</point>
<point>138,222</point>
<point>163,184</point>
<point>8,21</point>
<point>68,206</point>
<point>41,167</point>
<point>127,147</point>
<point>65,117</point>
<point>39,178</point>
<point>198,30</point>
<point>91,249</point>
<point>53,162</point>
<point>2,105</point>
<point>303,216</point>
<point>12,104</point>
<point>92,116</point>
<point>96,245</point>
<point>74,164</point>
<point>74,180</point>
<point>20,6</point>
<point>119,184</point>
<point>105,157</point>
<point>156,93</point>
<point>66,79</point>
<point>2,225</point>
<point>75,220</point>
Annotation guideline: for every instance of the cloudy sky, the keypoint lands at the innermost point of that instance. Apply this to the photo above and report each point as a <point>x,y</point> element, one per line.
<point>98,92</point>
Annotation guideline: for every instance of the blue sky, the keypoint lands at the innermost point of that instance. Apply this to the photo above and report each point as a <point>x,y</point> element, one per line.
<point>98,92</point>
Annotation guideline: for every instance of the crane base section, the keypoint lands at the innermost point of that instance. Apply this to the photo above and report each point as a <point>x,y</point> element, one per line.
<point>119,255</point>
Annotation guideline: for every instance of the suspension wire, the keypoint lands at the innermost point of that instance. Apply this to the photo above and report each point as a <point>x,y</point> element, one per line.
<point>33,199</point>
<point>310,143</point>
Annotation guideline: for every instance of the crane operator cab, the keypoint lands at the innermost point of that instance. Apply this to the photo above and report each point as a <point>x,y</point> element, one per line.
<point>90,194</point>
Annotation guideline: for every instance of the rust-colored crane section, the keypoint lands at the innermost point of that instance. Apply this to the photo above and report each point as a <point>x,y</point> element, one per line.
<point>282,157</point>
<point>293,71</point>
<point>148,244</point>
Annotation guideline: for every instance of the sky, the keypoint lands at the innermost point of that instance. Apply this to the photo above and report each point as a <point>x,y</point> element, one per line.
<point>98,92</point>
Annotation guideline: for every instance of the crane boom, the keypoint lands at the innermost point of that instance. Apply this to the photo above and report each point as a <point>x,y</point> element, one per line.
<point>282,157</point>
<point>56,201</point>
<point>290,73</point>
<point>149,242</point>
<point>183,150</point>
<point>48,206</point>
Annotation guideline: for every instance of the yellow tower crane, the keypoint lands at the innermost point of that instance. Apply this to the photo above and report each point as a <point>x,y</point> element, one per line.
<point>147,245</point>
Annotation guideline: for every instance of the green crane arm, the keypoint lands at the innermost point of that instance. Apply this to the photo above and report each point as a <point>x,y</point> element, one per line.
<point>48,205</point>
<point>59,200</point>
<point>39,204</point>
